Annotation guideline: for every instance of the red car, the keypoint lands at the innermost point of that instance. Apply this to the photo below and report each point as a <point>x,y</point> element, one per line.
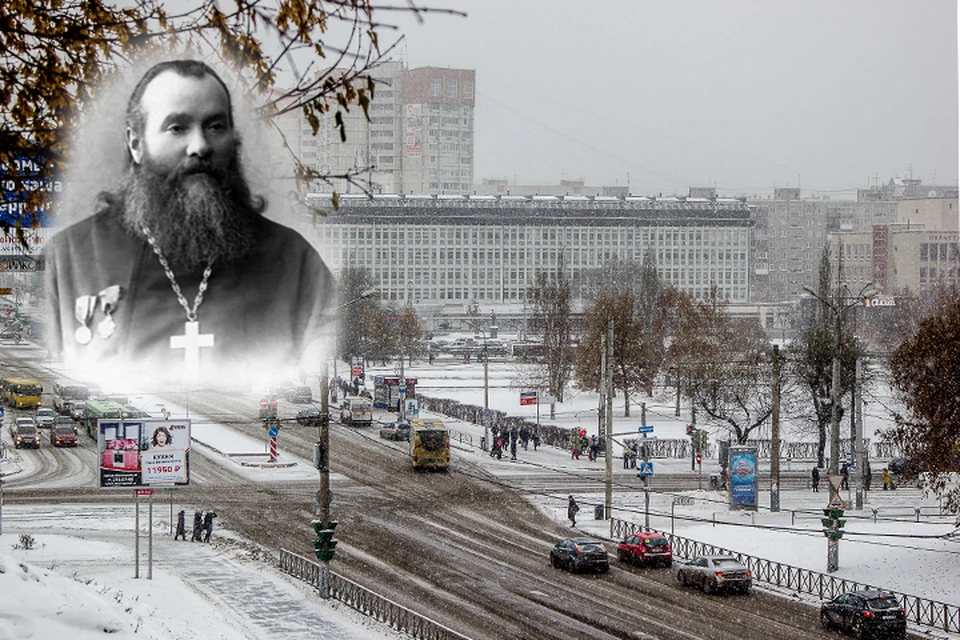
<point>645,548</point>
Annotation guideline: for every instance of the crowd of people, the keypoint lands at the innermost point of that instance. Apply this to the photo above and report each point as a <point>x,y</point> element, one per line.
<point>202,526</point>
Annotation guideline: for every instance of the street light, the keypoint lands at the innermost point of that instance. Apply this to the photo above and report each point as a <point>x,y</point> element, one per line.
<point>838,311</point>
<point>323,525</point>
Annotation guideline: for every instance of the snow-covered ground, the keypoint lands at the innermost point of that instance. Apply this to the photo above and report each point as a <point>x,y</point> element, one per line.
<point>78,579</point>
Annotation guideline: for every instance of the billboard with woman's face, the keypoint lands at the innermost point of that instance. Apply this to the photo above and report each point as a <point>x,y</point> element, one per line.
<point>144,453</point>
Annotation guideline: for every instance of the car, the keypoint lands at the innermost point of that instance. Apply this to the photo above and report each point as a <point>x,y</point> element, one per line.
<point>396,431</point>
<point>716,573</point>
<point>298,393</point>
<point>25,434</point>
<point>63,435</point>
<point>580,554</point>
<point>645,548</point>
<point>45,416</point>
<point>309,417</point>
<point>866,613</point>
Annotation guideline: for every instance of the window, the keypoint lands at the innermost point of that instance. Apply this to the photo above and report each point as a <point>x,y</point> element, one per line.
<point>451,88</point>
<point>435,84</point>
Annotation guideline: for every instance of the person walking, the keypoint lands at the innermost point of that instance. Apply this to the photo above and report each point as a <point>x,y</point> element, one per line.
<point>815,478</point>
<point>572,509</point>
<point>886,479</point>
<point>181,526</point>
<point>197,526</point>
<point>208,525</point>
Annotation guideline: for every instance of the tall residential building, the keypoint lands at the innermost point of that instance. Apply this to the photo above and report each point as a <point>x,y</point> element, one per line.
<point>419,137</point>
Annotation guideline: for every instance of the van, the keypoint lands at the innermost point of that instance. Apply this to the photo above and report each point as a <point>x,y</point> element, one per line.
<point>356,411</point>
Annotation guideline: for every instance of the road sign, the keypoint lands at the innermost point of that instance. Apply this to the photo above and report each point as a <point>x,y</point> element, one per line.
<point>644,469</point>
<point>645,429</point>
<point>487,413</point>
<point>273,432</point>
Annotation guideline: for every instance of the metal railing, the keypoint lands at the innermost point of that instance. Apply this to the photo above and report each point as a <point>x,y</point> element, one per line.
<point>367,602</point>
<point>931,613</point>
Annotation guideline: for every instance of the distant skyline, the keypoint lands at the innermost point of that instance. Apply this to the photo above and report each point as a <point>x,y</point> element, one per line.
<point>741,95</point>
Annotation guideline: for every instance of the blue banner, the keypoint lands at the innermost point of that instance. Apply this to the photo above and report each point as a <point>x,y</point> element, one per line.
<point>743,477</point>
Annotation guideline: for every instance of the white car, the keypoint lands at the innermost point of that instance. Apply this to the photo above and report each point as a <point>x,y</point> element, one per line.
<point>45,417</point>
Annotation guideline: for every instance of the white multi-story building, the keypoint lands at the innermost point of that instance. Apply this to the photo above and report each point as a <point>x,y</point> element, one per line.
<point>418,139</point>
<point>446,250</point>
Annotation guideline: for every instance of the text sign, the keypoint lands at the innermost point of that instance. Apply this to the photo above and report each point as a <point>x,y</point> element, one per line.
<point>144,492</point>
<point>645,429</point>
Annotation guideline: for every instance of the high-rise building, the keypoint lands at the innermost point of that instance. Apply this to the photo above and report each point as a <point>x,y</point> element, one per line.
<point>418,139</point>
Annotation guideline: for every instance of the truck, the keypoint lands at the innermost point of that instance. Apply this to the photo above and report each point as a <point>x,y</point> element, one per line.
<point>356,411</point>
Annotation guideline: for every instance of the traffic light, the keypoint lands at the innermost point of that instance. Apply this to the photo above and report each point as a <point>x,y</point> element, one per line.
<point>690,429</point>
<point>701,440</point>
<point>324,545</point>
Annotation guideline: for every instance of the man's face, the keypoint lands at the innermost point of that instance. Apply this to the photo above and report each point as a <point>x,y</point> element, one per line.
<point>185,117</point>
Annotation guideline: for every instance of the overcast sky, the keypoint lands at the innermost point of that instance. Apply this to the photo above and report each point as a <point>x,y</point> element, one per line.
<point>743,95</point>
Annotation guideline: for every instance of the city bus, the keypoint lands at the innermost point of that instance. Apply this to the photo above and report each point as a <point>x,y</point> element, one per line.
<point>21,393</point>
<point>429,445</point>
<point>94,410</point>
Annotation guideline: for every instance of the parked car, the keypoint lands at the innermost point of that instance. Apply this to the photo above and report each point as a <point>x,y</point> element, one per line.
<point>45,417</point>
<point>645,547</point>
<point>866,614</point>
<point>580,554</point>
<point>715,573</point>
<point>63,435</point>
<point>396,431</point>
<point>25,434</point>
<point>298,394</point>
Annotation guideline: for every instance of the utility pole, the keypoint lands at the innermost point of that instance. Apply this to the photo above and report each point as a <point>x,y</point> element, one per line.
<point>646,479</point>
<point>861,456</point>
<point>323,525</point>
<point>775,433</point>
<point>834,466</point>
<point>608,502</point>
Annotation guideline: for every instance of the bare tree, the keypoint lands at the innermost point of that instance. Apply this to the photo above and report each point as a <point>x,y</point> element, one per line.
<point>550,319</point>
<point>408,333</point>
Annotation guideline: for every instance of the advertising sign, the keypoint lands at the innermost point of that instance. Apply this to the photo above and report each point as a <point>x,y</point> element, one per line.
<point>743,477</point>
<point>143,452</point>
<point>528,397</point>
<point>413,131</point>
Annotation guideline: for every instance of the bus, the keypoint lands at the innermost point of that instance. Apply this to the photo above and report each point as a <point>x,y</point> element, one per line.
<point>21,393</point>
<point>94,410</point>
<point>67,395</point>
<point>429,445</point>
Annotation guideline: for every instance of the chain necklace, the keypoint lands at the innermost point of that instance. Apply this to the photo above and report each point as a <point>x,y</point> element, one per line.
<point>191,313</point>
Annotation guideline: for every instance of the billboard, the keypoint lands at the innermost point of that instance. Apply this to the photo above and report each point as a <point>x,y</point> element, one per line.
<point>743,477</point>
<point>413,130</point>
<point>143,452</point>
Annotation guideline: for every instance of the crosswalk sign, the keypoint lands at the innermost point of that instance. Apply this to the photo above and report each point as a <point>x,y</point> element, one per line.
<point>645,469</point>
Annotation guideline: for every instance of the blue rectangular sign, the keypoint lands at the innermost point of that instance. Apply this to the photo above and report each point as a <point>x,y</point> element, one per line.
<point>743,477</point>
<point>645,429</point>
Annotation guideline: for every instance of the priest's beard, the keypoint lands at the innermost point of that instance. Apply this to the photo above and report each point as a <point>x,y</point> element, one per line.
<point>196,213</point>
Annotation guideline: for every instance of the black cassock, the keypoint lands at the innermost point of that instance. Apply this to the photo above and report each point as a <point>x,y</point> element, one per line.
<point>111,302</point>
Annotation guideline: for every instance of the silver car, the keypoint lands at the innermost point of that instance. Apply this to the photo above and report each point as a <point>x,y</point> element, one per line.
<point>45,417</point>
<point>715,573</point>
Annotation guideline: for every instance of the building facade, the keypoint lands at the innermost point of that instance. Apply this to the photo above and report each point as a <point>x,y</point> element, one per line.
<point>454,250</point>
<point>418,139</point>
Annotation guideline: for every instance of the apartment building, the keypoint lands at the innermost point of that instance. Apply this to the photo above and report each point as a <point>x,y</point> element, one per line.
<point>418,139</point>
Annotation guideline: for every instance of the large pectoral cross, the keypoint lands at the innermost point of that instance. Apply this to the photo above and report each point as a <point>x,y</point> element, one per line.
<point>191,342</point>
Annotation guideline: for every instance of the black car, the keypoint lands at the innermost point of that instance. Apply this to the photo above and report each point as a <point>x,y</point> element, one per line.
<point>298,394</point>
<point>396,431</point>
<point>580,554</point>
<point>866,614</point>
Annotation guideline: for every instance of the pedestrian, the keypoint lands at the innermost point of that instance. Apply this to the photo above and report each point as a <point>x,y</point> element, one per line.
<point>513,443</point>
<point>815,478</point>
<point>536,440</point>
<point>867,476</point>
<point>845,475</point>
<point>208,525</point>
<point>181,526</point>
<point>197,525</point>
<point>886,479</point>
<point>572,509</point>
<point>594,448</point>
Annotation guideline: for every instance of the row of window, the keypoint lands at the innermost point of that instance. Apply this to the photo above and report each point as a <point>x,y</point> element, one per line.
<point>939,251</point>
